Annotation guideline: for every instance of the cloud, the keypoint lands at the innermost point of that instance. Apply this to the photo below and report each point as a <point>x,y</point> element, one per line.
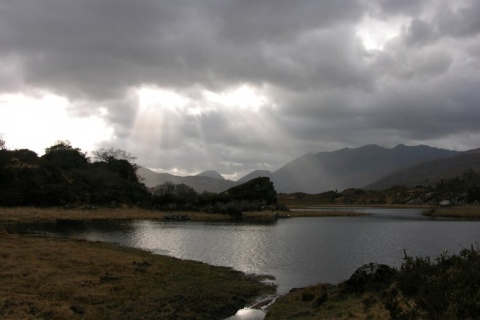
<point>238,85</point>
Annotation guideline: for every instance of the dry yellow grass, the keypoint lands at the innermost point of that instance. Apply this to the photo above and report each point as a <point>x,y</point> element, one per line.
<point>50,278</point>
<point>465,212</point>
<point>324,213</point>
<point>32,214</point>
<point>269,216</point>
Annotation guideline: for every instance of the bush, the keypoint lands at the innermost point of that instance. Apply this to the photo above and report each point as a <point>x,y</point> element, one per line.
<point>448,288</point>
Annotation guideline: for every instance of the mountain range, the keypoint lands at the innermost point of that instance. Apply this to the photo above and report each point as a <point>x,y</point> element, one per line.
<point>369,166</point>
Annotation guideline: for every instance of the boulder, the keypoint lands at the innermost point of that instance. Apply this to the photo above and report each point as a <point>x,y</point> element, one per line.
<point>371,275</point>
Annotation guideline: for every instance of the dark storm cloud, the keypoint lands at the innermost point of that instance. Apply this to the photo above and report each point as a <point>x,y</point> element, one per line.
<point>460,22</point>
<point>408,7</point>
<point>95,49</point>
<point>325,89</point>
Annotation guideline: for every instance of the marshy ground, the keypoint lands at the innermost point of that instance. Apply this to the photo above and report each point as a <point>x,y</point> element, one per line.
<point>57,278</point>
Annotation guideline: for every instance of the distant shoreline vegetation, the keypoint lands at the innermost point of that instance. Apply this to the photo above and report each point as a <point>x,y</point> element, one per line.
<point>65,176</point>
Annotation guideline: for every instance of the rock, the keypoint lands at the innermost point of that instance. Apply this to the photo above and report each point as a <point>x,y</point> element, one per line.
<point>445,203</point>
<point>371,275</point>
<point>107,277</point>
<point>78,309</point>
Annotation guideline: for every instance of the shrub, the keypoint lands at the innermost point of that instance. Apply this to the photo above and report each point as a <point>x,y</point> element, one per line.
<point>448,288</point>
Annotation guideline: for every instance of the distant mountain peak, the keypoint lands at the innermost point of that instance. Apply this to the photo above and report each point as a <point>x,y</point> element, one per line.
<point>210,174</point>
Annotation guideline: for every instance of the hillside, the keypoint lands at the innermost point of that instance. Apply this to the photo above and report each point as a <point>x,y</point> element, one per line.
<point>320,172</point>
<point>349,168</point>
<point>430,172</point>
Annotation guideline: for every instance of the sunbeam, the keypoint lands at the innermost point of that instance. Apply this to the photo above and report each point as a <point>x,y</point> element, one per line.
<point>237,118</point>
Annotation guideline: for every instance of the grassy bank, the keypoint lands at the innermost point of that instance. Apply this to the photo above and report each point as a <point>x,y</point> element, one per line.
<point>464,212</point>
<point>324,301</point>
<point>324,213</point>
<point>32,214</point>
<point>51,278</point>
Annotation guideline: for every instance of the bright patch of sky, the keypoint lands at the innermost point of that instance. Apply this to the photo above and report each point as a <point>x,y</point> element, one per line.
<point>37,122</point>
<point>375,33</point>
<point>243,97</point>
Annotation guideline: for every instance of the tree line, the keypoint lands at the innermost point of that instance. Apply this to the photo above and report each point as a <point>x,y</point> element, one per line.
<point>66,176</point>
<point>255,195</point>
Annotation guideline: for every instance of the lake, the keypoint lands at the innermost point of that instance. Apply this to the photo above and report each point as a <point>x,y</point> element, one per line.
<point>297,252</point>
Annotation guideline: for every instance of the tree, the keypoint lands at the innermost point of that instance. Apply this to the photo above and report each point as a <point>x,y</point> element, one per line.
<point>3,145</point>
<point>120,161</point>
<point>108,155</point>
<point>167,187</point>
<point>62,155</point>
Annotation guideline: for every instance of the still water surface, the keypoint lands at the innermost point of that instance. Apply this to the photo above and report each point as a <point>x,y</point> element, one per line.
<point>297,252</point>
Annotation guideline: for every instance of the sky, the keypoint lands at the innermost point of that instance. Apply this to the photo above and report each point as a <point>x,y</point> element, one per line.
<point>238,85</point>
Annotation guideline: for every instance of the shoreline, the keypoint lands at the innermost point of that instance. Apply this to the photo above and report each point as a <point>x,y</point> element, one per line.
<point>457,212</point>
<point>33,214</point>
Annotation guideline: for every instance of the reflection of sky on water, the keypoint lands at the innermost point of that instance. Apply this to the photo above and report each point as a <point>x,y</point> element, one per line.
<point>248,314</point>
<point>242,245</point>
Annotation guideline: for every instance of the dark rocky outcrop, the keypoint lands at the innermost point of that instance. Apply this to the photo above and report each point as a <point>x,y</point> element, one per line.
<point>370,276</point>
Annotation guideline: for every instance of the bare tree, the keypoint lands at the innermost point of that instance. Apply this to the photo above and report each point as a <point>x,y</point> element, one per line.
<point>108,155</point>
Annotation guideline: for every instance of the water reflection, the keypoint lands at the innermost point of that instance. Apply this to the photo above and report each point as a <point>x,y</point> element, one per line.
<point>248,314</point>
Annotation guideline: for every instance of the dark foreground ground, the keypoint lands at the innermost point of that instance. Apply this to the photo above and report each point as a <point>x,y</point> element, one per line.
<point>52,278</point>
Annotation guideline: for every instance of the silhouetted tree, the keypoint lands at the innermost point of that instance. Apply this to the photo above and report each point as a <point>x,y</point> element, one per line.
<point>108,155</point>
<point>3,145</point>
<point>65,175</point>
<point>62,155</point>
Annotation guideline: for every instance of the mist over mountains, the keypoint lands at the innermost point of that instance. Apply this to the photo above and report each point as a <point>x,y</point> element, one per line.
<point>369,166</point>
<point>430,172</point>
